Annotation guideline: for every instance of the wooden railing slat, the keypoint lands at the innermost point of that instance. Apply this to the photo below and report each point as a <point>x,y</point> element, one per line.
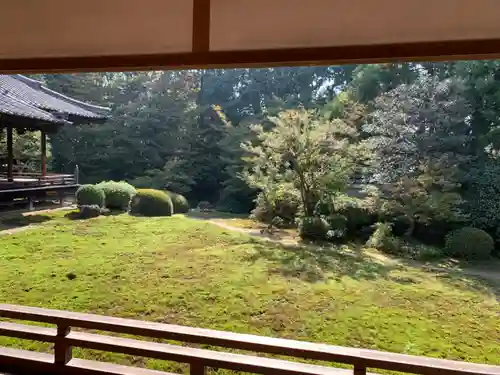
<point>209,358</point>
<point>105,368</point>
<point>27,332</point>
<point>33,362</point>
<point>331,353</point>
<point>11,353</point>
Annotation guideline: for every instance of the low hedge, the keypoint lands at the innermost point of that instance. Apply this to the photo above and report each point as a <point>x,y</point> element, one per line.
<point>90,195</point>
<point>151,202</point>
<point>118,195</point>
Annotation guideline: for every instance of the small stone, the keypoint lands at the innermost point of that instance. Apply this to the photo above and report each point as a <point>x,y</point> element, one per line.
<point>71,276</point>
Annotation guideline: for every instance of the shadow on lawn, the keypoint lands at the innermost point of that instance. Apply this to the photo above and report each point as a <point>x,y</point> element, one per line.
<point>316,263</point>
<point>76,215</point>
<point>313,263</point>
<point>21,220</point>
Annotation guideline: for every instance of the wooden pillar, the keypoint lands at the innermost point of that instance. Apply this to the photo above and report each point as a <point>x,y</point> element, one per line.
<point>359,370</point>
<point>10,154</point>
<point>62,351</point>
<point>197,369</point>
<point>44,153</point>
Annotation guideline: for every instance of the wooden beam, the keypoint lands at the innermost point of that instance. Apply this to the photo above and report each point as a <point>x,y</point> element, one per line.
<point>27,332</point>
<point>43,137</point>
<point>421,51</point>
<point>201,25</point>
<point>10,154</point>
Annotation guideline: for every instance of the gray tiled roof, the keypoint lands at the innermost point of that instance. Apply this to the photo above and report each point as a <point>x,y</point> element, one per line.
<point>36,94</point>
<point>11,106</point>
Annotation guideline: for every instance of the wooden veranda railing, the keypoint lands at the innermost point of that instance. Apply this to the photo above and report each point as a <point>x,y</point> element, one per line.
<point>36,179</point>
<point>64,338</point>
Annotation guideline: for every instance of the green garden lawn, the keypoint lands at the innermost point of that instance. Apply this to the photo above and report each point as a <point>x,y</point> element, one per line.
<point>190,272</point>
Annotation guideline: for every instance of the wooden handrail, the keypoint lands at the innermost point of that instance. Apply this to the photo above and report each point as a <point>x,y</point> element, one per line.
<point>199,359</point>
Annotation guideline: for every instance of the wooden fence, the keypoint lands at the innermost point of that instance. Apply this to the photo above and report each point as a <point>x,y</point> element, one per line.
<point>64,338</point>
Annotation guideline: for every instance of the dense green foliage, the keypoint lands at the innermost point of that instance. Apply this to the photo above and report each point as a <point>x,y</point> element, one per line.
<point>283,202</point>
<point>424,135</point>
<point>118,194</point>
<point>151,202</point>
<point>313,228</point>
<point>469,243</point>
<point>383,239</point>
<point>179,202</point>
<point>90,195</point>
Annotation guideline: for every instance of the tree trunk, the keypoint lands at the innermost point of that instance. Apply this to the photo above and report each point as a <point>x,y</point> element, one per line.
<point>411,228</point>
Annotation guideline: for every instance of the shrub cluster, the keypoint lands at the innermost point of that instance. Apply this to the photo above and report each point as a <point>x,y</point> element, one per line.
<point>313,228</point>
<point>118,195</point>
<point>383,239</point>
<point>283,203</point>
<point>355,214</point>
<point>151,202</point>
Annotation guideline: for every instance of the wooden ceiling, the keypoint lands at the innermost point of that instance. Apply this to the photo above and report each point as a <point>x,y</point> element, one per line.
<point>65,35</point>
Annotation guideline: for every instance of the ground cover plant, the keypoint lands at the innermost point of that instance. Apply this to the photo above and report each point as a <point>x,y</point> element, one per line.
<point>188,271</point>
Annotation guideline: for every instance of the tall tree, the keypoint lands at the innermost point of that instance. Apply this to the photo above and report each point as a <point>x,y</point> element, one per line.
<point>421,137</point>
<point>302,150</point>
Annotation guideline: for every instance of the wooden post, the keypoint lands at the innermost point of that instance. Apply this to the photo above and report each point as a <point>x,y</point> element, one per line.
<point>359,370</point>
<point>196,369</point>
<point>44,153</point>
<point>60,196</point>
<point>62,351</point>
<point>10,154</point>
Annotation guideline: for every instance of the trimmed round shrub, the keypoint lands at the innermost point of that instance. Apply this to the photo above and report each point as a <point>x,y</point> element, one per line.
<point>150,202</point>
<point>118,195</point>
<point>180,203</point>
<point>90,195</point>
<point>313,228</point>
<point>88,212</point>
<point>469,243</point>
